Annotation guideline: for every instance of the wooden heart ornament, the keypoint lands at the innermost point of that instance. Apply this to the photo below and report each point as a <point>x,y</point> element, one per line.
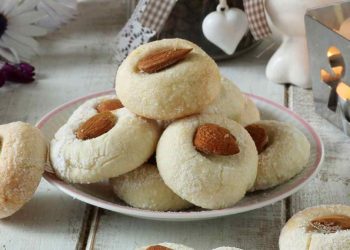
<point>225,28</point>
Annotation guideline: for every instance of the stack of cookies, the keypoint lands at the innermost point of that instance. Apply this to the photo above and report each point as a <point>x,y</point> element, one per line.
<point>177,135</point>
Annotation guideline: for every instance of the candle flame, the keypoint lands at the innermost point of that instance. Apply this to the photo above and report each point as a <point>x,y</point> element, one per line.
<point>333,51</point>
<point>336,62</point>
<point>343,90</point>
<point>330,78</point>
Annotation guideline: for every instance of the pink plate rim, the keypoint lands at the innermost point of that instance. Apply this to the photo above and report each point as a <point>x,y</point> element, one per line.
<point>190,215</point>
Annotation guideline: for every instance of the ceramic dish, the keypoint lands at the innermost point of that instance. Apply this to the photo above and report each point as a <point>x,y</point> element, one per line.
<point>101,195</point>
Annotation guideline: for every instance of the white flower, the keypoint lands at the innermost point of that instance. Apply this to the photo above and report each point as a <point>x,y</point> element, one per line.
<point>58,12</point>
<point>18,26</point>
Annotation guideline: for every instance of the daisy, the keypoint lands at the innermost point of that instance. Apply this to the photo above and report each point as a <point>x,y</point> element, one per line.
<point>18,26</point>
<point>58,12</point>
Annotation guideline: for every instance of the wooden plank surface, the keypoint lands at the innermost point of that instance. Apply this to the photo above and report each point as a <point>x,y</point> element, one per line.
<point>332,184</point>
<point>253,230</point>
<point>257,229</point>
<point>74,61</point>
<point>78,60</point>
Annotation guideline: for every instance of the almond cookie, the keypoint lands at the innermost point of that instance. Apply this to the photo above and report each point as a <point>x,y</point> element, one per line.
<point>283,152</point>
<point>22,159</point>
<point>166,246</point>
<point>227,248</point>
<point>167,79</point>
<point>249,114</point>
<point>208,160</point>
<point>144,188</point>
<point>230,101</point>
<point>100,141</point>
<point>318,228</point>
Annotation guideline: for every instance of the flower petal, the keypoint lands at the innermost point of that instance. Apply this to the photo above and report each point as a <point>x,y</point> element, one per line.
<point>62,10</point>
<point>25,40</point>
<point>51,14</point>
<point>23,50</point>
<point>7,55</point>
<point>25,5</point>
<point>59,12</point>
<point>8,6</point>
<point>10,46</point>
<point>69,3</point>
<point>27,18</point>
<point>28,30</point>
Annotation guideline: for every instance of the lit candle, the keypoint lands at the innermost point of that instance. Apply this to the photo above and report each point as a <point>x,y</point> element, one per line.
<point>343,91</point>
<point>337,63</point>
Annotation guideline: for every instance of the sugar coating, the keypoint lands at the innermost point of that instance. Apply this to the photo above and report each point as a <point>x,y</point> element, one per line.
<point>123,148</point>
<point>183,89</point>
<point>229,103</point>
<point>208,181</point>
<point>286,155</point>
<point>249,113</point>
<point>295,236</point>
<point>338,241</point>
<point>23,152</point>
<point>144,188</point>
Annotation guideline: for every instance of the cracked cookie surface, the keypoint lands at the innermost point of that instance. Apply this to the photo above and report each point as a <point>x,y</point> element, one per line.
<point>128,144</point>
<point>208,181</point>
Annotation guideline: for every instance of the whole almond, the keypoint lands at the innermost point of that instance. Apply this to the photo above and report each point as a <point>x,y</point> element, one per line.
<point>330,224</point>
<point>109,105</point>
<point>97,125</point>
<point>212,139</point>
<point>158,247</point>
<point>259,136</point>
<point>160,60</point>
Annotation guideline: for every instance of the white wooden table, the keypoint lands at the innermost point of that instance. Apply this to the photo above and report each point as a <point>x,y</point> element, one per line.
<point>78,60</point>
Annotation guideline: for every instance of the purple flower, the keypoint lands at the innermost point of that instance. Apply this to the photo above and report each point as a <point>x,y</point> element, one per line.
<point>18,73</point>
<point>2,78</point>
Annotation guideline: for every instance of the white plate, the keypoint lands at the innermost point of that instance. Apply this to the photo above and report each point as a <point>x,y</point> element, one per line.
<point>100,195</point>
